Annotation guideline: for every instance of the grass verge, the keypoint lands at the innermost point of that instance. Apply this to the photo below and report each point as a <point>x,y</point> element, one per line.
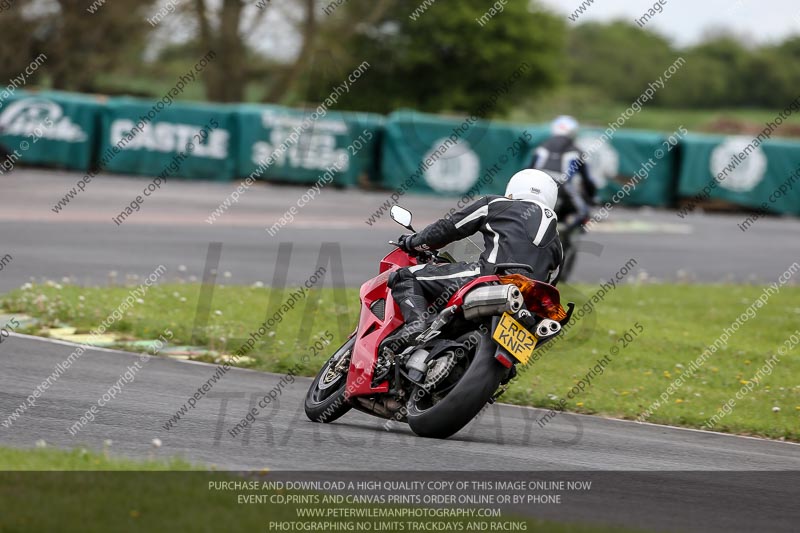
<point>677,323</point>
<point>593,111</point>
<point>49,459</point>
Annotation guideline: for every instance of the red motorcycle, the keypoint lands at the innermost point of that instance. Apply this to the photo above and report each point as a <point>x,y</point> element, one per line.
<point>464,360</point>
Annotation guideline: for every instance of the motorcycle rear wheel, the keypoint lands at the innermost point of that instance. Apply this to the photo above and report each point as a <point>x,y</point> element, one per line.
<point>450,414</point>
<point>325,400</point>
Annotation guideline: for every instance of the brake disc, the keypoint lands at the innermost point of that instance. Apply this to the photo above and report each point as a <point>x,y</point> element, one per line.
<point>438,369</point>
<point>335,371</point>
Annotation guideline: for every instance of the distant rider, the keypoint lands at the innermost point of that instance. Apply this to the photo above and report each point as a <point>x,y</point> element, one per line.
<point>560,157</point>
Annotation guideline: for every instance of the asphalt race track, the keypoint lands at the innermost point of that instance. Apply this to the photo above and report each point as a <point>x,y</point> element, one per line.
<point>504,438</point>
<point>687,488</point>
<point>83,243</point>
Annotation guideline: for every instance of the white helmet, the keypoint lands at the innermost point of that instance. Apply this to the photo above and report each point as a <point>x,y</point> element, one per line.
<point>566,126</point>
<point>533,185</point>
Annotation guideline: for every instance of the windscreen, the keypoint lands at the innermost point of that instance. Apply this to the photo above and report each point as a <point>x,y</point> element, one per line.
<point>467,250</point>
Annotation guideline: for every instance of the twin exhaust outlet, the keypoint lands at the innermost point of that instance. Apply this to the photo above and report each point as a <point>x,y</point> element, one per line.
<point>491,300</point>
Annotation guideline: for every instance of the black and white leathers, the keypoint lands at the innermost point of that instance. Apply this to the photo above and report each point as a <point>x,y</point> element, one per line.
<point>514,231</point>
<point>566,164</point>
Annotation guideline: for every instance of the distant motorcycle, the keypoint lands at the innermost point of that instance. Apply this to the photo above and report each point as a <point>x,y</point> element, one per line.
<point>464,360</point>
<point>570,234</point>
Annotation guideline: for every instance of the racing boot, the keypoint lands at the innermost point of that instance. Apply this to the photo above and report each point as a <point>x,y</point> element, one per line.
<point>413,308</point>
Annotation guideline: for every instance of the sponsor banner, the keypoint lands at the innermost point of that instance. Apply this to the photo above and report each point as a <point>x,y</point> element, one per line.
<point>300,147</point>
<point>50,128</point>
<point>742,170</point>
<point>429,154</point>
<point>426,153</point>
<point>645,159</point>
<point>186,140</point>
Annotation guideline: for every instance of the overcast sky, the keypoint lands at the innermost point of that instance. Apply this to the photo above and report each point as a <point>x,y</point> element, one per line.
<point>685,21</point>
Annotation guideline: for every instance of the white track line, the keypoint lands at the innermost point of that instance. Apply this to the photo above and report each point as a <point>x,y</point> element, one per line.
<point>132,354</point>
<point>596,417</point>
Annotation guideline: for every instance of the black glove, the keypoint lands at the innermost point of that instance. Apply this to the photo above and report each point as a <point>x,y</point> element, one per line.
<point>404,243</point>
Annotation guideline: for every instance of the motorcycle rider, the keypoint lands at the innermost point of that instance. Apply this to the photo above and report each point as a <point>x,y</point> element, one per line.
<point>564,161</point>
<point>520,227</point>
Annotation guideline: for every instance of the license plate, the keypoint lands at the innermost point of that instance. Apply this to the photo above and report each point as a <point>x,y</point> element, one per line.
<point>513,336</point>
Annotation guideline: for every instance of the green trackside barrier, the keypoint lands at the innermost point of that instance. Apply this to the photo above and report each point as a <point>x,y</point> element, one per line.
<point>283,144</point>
<point>424,153</point>
<point>51,128</point>
<point>193,141</point>
<point>648,159</point>
<point>735,170</point>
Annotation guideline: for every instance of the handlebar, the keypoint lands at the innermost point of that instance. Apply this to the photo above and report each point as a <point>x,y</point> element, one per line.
<point>425,255</point>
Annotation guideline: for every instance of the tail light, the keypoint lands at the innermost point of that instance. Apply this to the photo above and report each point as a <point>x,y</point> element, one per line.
<point>541,298</point>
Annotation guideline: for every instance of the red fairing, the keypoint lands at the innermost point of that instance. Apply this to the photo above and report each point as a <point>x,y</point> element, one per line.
<point>396,258</point>
<point>373,330</point>
<point>458,297</point>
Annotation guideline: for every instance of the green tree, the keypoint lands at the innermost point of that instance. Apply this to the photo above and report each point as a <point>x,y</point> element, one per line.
<point>702,83</point>
<point>442,59</point>
<point>772,78</point>
<point>80,46</point>
<point>731,60</point>
<point>768,81</point>
<point>617,58</point>
<point>20,31</point>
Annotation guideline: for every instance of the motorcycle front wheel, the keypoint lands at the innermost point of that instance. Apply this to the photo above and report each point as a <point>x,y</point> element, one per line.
<point>325,400</point>
<point>568,245</point>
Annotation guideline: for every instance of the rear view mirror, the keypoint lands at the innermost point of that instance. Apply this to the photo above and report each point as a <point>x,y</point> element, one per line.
<point>402,216</point>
